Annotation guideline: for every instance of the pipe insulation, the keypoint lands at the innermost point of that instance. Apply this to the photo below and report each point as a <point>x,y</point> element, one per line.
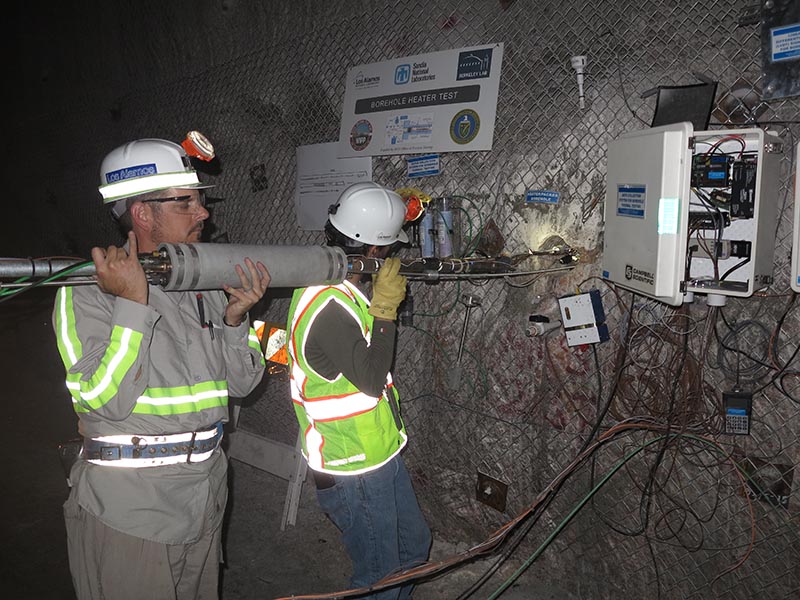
<point>210,266</point>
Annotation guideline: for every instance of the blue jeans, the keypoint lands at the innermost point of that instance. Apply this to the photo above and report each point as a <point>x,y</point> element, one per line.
<point>382,526</point>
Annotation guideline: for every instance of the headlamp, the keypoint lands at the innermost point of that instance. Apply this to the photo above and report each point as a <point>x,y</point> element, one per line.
<point>198,146</point>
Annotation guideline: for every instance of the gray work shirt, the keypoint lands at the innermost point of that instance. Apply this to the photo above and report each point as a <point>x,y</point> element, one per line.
<point>171,504</point>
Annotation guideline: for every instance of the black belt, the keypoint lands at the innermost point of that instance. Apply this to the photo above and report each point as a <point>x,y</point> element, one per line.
<point>100,450</point>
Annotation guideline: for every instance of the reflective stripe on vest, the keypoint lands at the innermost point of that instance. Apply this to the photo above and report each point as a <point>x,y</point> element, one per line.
<point>275,343</point>
<point>254,343</point>
<point>314,445</point>
<point>174,401</point>
<point>121,353</point>
<point>332,409</point>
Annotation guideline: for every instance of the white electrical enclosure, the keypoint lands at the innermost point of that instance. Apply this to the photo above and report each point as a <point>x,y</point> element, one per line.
<point>583,318</point>
<point>795,274</point>
<point>691,211</point>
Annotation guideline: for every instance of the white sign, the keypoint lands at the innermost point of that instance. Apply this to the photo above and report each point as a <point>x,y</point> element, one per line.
<point>785,42</point>
<point>321,177</point>
<point>438,102</point>
<point>631,200</point>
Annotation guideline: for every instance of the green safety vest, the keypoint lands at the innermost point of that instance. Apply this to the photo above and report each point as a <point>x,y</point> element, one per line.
<point>344,431</point>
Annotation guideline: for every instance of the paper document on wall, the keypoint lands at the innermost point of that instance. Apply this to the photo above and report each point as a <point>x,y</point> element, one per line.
<point>321,178</point>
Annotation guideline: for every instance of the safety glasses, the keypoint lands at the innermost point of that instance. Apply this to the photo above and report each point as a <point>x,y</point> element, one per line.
<point>188,203</point>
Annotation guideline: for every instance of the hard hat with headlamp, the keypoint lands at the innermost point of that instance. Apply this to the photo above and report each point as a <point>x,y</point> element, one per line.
<point>370,214</point>
<point>150,165</point>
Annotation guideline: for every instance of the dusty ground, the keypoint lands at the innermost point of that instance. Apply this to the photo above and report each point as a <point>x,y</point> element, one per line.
<point>264,562</point>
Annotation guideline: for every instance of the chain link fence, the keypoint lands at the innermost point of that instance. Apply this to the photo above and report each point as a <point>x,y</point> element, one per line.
<point>673,521</point>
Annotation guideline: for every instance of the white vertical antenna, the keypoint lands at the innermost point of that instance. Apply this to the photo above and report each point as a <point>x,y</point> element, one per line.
<point>579,64</point>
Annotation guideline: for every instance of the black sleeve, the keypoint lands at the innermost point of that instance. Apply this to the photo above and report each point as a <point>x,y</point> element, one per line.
<point>335,345</point>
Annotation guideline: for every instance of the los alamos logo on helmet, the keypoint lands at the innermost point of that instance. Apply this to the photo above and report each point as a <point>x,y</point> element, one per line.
<point>131,172</point>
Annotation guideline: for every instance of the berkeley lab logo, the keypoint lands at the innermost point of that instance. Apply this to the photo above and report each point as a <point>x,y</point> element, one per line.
<point>402,74</point>
<point>474,64</point>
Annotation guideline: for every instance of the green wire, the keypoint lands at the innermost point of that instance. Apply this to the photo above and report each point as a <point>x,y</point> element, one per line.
<point>480,227</point>
<point>569,517</point>
<point>463,251</point>
<point>8,291</point>
<point>582,503</point>
<point>594,490</point>
<point>482,371</point>
<point>433,338</point>
<point>53,277</point>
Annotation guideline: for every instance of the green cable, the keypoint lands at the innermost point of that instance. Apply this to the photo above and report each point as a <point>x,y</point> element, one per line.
<point>589,496</point>
<point>482,371</point>
<point>569,517</point>
<point>62,273</point>
<point>463,251</point>
<point>10,290</point>
<point>480,221</point>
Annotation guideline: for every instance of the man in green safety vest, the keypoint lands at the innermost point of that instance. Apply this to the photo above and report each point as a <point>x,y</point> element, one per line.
<point>341,347</point>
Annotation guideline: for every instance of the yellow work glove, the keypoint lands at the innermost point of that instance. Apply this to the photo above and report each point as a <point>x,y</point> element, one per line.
<point>388,290</point>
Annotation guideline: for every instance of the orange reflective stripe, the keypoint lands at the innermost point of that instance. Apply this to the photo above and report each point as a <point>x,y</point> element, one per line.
<point>275,350</point>
<point>259,328</point>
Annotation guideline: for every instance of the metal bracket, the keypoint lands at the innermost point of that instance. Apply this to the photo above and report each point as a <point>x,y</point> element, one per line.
<point>491,492</point>
<point>773,148</point>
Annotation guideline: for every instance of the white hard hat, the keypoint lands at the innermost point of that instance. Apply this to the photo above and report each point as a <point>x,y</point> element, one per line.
<point>370,214</point>
<point>146,165</point>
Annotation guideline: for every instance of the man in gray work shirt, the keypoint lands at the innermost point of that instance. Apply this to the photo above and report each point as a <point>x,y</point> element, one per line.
<point>150,373</point>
